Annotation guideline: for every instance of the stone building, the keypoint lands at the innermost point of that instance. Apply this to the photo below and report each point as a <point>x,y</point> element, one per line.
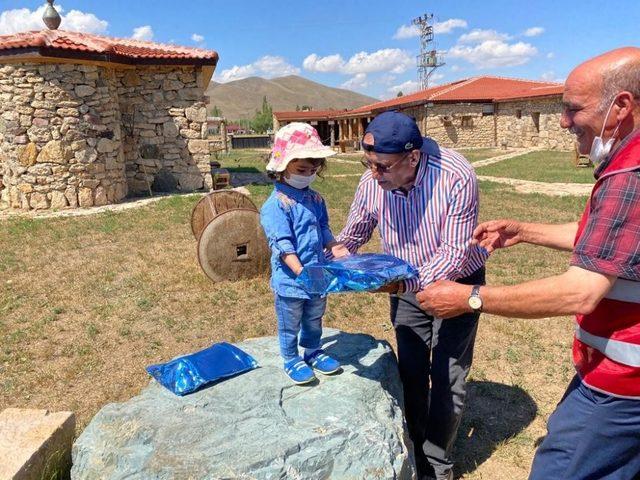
<point>477,112</point>
<point>87,120</point>
<point>322,120</point>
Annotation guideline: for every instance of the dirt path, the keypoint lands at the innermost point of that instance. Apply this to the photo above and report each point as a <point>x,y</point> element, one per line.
<point>552,189</point>
<point>500,158</point>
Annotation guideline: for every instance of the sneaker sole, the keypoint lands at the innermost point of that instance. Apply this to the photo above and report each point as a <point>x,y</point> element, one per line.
<point>324,372</point>
<point>303,382</point>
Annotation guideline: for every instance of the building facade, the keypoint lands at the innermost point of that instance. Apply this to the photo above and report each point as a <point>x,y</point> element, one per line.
<point>87,120</point>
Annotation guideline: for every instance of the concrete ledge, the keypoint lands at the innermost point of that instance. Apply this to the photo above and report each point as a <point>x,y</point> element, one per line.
<point>35,444</point>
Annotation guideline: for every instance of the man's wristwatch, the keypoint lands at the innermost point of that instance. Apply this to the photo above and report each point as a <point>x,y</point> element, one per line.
<point>475,301</point>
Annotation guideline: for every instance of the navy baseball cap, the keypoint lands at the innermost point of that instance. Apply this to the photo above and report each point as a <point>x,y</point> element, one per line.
<point>392,132</point>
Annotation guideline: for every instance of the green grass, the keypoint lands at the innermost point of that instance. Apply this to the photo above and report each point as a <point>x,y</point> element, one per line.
<point>476,154</point>
<point>549,166</point>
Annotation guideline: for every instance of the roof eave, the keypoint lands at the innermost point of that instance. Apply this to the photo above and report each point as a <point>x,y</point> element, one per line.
<point>37,53</point>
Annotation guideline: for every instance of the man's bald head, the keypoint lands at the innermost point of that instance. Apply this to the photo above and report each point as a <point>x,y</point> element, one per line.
<point>610,73</point>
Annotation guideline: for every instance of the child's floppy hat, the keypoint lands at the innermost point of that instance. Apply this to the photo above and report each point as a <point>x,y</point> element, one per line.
<point>296,140</point>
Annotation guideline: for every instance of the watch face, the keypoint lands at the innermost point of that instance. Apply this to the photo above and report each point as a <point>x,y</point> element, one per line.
<point>475,303</point>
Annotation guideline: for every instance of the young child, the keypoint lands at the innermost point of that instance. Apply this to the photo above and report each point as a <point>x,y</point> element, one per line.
<point>296,224</point>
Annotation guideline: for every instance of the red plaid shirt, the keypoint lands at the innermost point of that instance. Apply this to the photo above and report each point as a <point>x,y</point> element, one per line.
<point>610,243</point>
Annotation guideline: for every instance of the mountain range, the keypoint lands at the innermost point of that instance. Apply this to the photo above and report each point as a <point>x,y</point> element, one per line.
<point>240,99</point>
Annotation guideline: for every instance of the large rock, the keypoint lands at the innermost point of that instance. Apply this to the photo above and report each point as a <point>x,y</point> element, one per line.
<point>259,425</point>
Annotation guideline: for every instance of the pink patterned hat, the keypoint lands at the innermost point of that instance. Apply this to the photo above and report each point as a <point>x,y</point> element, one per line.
<point>296,140</point>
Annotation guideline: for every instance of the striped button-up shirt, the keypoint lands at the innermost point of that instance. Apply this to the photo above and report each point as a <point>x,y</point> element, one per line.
<point>429,226</point>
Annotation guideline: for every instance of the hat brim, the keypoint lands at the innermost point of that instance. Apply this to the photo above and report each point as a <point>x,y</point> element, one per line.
<point>298,154</point>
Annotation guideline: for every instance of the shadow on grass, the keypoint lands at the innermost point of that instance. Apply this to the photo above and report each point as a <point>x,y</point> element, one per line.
<point>494,413</point>
<point>248,176</point>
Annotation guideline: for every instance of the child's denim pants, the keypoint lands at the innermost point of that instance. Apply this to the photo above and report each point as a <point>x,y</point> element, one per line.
<point>299,315</point>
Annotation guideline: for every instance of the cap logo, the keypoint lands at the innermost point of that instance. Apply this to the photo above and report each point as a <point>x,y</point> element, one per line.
<point>408,146</point>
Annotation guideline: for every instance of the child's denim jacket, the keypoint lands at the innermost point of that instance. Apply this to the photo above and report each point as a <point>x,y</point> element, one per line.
<point>294,221</point>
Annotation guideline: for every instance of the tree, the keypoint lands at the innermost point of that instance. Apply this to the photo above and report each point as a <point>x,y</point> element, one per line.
<point>216,112</point>
<point>399,93</point>
<point>263,119</point>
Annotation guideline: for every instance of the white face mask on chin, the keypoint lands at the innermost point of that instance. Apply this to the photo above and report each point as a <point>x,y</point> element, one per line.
<point>300,181</point>
<point>599,148</point>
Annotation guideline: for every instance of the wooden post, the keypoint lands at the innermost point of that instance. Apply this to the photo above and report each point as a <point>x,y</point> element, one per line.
<point>332,129</point>
<point>223,131</point>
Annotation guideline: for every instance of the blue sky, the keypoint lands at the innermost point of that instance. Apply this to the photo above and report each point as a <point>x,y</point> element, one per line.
<point>366,46</point>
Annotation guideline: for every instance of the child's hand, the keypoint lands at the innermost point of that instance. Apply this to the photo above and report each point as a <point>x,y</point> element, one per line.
<point>339,250</point>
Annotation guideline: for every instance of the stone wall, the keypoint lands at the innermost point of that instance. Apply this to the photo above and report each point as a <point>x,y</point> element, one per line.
<point>60,137</point>
<point>455,124</point>
<point>520,124</point>
<point>530,123</point>
<point>87,135</point>
<point>165,124</point>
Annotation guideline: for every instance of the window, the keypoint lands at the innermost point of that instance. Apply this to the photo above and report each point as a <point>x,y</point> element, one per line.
<point>518,113</point>
<point>487,109</point>
<point>536,120</point>
<point>467,122</point>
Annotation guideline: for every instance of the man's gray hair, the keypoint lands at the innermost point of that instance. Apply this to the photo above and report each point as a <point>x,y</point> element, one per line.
<point>623,78</point>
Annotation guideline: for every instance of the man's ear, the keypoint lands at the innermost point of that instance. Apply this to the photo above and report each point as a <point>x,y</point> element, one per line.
<point>625,103</point>
<point>415,157</point>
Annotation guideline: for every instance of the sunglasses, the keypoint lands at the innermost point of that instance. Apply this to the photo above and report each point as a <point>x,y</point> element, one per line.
<point>382,169</point>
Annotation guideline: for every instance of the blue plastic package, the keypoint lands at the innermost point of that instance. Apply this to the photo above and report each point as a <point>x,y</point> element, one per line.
<point>188,373</point>
<point>354,273</point>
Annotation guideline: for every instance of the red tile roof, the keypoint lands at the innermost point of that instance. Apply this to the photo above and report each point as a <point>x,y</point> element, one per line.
<point>476,89</point>
<point>307,114</point>
<point>114,48</point>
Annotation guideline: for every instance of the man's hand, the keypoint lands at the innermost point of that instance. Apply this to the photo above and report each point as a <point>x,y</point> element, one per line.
<point>339,250</point>
<point>445,299</point>
<point>497,234</point>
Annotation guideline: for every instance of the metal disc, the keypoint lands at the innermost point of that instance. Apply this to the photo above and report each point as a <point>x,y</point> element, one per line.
<point>215,203</point>
<point>233,246</point>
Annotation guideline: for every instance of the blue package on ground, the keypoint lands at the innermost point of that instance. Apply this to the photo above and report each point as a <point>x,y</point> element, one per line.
<point>188,373</point>
<point>354,273</point>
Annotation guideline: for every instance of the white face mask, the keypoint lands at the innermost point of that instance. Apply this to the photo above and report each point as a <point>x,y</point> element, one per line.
<point>599,148</point>
<point>300,181</point>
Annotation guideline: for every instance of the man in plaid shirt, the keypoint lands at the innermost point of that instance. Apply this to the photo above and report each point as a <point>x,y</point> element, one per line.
<point>595,431</point>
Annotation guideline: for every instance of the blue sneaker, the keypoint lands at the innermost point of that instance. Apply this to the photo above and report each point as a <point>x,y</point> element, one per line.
<point>322,362</point>
<point>298,371</point>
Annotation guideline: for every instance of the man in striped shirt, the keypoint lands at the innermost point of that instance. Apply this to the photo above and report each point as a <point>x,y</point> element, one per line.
<point>424,201</point>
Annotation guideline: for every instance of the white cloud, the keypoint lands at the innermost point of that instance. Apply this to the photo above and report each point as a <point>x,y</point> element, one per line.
<point>144,32</point>
<point>197,38</point>
<point>330,63</point>
<point>235,73</point>
<point>391,60</point>
<point>494,53</point>
<point>268,66</point>
<point>23,19</point>
<point>551,55</point>
<point>274,66</point>
<point>410,86</point>
<point>448,25</point>
<point>83,22</point>
<point>406,31</point>
<point>478,36</point>
<point>533,31</point>
<point>455,68</point>
<point>356,82</point>
<point>550,76</point>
